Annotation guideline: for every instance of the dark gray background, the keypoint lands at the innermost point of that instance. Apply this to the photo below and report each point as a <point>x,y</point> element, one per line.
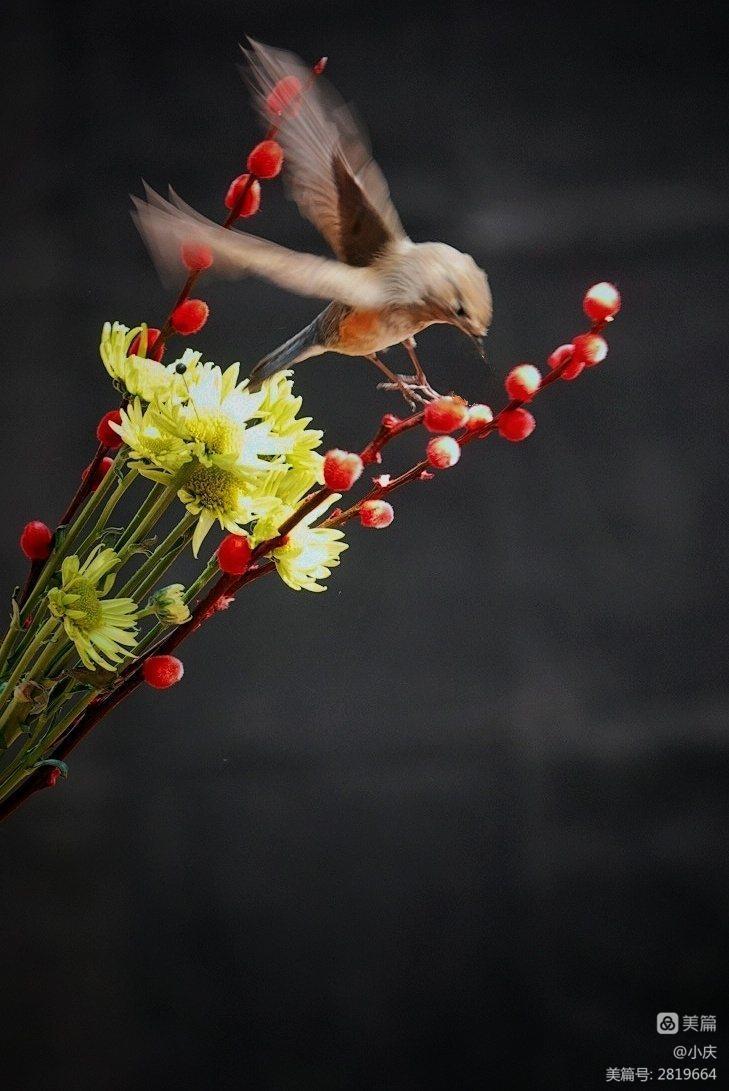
<point>460,822</point>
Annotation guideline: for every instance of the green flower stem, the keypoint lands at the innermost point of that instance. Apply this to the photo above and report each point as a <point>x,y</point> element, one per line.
<point>9,640</point>
<point>209,572</point>
<point>159,570</point>
<point>160,559</point>
<point>100,525</point>
<point>63,549</point>
<point>141,522</point>
<point>39,654</point>
<point>37,748</point>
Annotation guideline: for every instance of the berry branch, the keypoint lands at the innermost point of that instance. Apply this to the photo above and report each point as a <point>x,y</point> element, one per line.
<point>240,565</point>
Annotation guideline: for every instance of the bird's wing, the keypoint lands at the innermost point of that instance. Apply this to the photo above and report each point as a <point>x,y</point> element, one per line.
<point>166,226</point>
<point>330,171</point>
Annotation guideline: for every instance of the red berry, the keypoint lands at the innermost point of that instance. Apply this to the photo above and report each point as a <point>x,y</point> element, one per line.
<point>101,471</point>
<point>152,338</point>
<point>36,541</point>
<point>602,302</point>
<point>105,433</point>
<point>190,316</point>
<point>478,417</point>
<point>516,424</point>
<point>445,414</point>
<point>234,554</point>
<point>284,95</point>
<point>590,348</point>
<point>196,256</point>
<point>266,159</point>
<point>341,470</point>
<point>376,514</point>
<point>523,382</point>
<point>252,199</point>
<point>52,777</point>
<point>162,671</point>
<point>443,452</point>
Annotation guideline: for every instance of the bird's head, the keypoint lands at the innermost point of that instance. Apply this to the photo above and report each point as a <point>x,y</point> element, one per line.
<point>457,290</point>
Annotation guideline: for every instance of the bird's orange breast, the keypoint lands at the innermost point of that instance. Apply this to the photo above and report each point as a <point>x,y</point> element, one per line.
<point>359,330</point>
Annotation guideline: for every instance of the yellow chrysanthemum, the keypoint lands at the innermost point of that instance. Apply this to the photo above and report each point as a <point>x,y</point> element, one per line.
<point>139,376</point>
<point>148,443</point>
<point>220,492</point>
<point>103,630</point>
<point>280,407</point>
<point>309,553</point>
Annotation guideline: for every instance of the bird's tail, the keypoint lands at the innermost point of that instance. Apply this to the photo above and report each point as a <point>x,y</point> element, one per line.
<point>299,347</point>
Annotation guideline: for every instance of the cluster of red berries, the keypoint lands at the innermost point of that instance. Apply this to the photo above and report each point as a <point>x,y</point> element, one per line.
<point>243,198</point>
<point>515,423</point>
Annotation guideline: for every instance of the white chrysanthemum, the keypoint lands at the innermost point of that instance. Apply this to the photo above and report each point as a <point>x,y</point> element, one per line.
<point>103,630</point>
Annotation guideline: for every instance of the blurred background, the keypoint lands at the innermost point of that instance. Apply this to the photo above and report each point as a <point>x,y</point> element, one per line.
<point>460,821</point>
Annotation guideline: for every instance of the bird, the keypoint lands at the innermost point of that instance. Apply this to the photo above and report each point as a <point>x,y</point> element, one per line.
<point>382,287</point>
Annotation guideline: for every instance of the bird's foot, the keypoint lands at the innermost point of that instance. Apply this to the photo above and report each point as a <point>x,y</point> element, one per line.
<point>415,389</point>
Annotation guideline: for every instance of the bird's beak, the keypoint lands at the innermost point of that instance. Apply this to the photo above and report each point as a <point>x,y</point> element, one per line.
<point>477,340</point>
<point>479,343</point>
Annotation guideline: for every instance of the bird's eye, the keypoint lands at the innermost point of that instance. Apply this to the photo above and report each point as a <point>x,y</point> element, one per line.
<point>460,311</point>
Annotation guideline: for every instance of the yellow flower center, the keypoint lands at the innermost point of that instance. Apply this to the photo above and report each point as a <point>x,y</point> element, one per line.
<point>218,433</point>
<point>213,488</point>
<point>88,601</point>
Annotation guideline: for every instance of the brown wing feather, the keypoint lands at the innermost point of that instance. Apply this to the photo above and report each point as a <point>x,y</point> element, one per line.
<point>323,145</point>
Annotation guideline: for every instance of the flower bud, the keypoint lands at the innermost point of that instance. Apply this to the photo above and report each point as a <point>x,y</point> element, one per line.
<point>266,159</point>
<point>445,414</point>
<point>234,554</point>
<point>284,95</point>
<point>341,470</point>
<point>162,671</point>
<point>590,348</point>
<point>196,256</point>
<point>377,514</point>
<point>478,417</point>
<point>169,604</point>
<point>443,452</point>
<point>252,199</point>
<point>558,358</point>
<point>516,424</point>
<point>36,541</point>
<point>602,302</point>
<point>523,382</point>
<point>190,316</point>
<point>100,472</point>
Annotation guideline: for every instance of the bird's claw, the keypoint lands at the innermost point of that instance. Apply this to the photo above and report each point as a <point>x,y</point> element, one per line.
<point>414,389</point>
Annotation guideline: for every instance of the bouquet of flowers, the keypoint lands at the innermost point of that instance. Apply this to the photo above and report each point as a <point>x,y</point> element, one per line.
<point>193,446</point>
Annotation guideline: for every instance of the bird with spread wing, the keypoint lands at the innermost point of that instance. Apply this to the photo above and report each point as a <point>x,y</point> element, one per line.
<point>383,287</point>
